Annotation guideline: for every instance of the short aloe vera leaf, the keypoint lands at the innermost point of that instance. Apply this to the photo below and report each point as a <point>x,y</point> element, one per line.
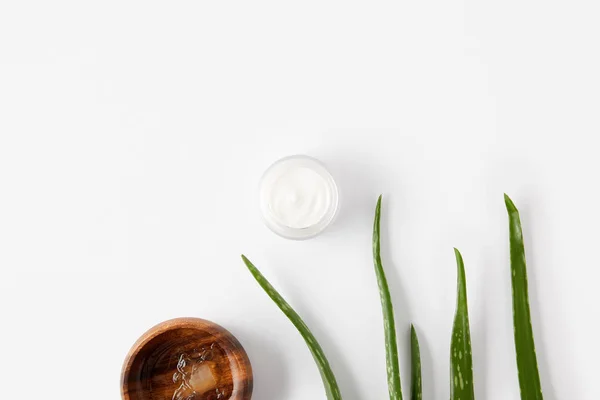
<point>389,325</point>
<point>529,378</point>
<point>415,357</point>
<point>331,387</point>
<point>461,363</point>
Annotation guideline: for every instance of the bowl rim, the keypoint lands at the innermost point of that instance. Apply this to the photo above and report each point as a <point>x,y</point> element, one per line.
<point>181,323</point>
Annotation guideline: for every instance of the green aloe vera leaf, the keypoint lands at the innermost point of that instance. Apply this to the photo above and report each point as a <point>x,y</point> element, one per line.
<point>331,387</point>
<point>391,345</point>
<point>461,363</point>
<point>529,378</point>
<point>415,356</point>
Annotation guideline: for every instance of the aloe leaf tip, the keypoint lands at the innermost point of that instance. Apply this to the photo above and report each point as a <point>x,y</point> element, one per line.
<point>461,372</point>
<point>510,205</point>
<point>248,263</point>
<point>529,378</point>
<point>416,382</point>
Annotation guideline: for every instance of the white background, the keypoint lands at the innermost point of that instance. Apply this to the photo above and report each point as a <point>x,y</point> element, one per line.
<point>133,135</point>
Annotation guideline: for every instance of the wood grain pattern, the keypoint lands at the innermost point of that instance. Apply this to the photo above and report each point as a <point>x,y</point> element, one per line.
<point>187,359</point>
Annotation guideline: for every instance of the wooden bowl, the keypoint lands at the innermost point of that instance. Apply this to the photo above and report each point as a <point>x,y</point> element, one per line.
<point>187,359</point>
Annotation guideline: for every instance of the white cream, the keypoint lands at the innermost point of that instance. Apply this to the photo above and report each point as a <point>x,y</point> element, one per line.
<point>298,197</point>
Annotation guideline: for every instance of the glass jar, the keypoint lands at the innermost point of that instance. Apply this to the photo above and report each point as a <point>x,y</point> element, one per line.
<point>298,197</point>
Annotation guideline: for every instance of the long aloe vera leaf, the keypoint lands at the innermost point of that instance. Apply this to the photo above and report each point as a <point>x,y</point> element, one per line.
<point>461,363</point>
<point>331,387</point>
<point>529,378</point>
<point>415,356</point>
<point>391,344</point>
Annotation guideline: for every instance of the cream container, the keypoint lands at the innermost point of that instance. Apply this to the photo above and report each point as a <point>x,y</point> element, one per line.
<point>298,197</point>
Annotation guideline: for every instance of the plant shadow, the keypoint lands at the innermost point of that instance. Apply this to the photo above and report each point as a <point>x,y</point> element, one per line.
<point>345,379</point>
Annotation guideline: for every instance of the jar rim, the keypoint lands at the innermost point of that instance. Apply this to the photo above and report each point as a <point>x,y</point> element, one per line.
<point>299,160</point>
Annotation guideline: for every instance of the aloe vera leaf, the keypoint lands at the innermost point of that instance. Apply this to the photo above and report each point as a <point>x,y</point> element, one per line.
<point>461,363</point>
<point>391,345</point>
<point>415,356</point>
<point>331,387</point>
<point>529,378</point>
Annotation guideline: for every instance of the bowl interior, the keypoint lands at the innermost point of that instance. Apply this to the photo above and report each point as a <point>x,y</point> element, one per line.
<point>189,360</point>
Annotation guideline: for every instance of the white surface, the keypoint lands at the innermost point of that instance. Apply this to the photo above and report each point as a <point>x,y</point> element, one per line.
<point>116,117</point>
